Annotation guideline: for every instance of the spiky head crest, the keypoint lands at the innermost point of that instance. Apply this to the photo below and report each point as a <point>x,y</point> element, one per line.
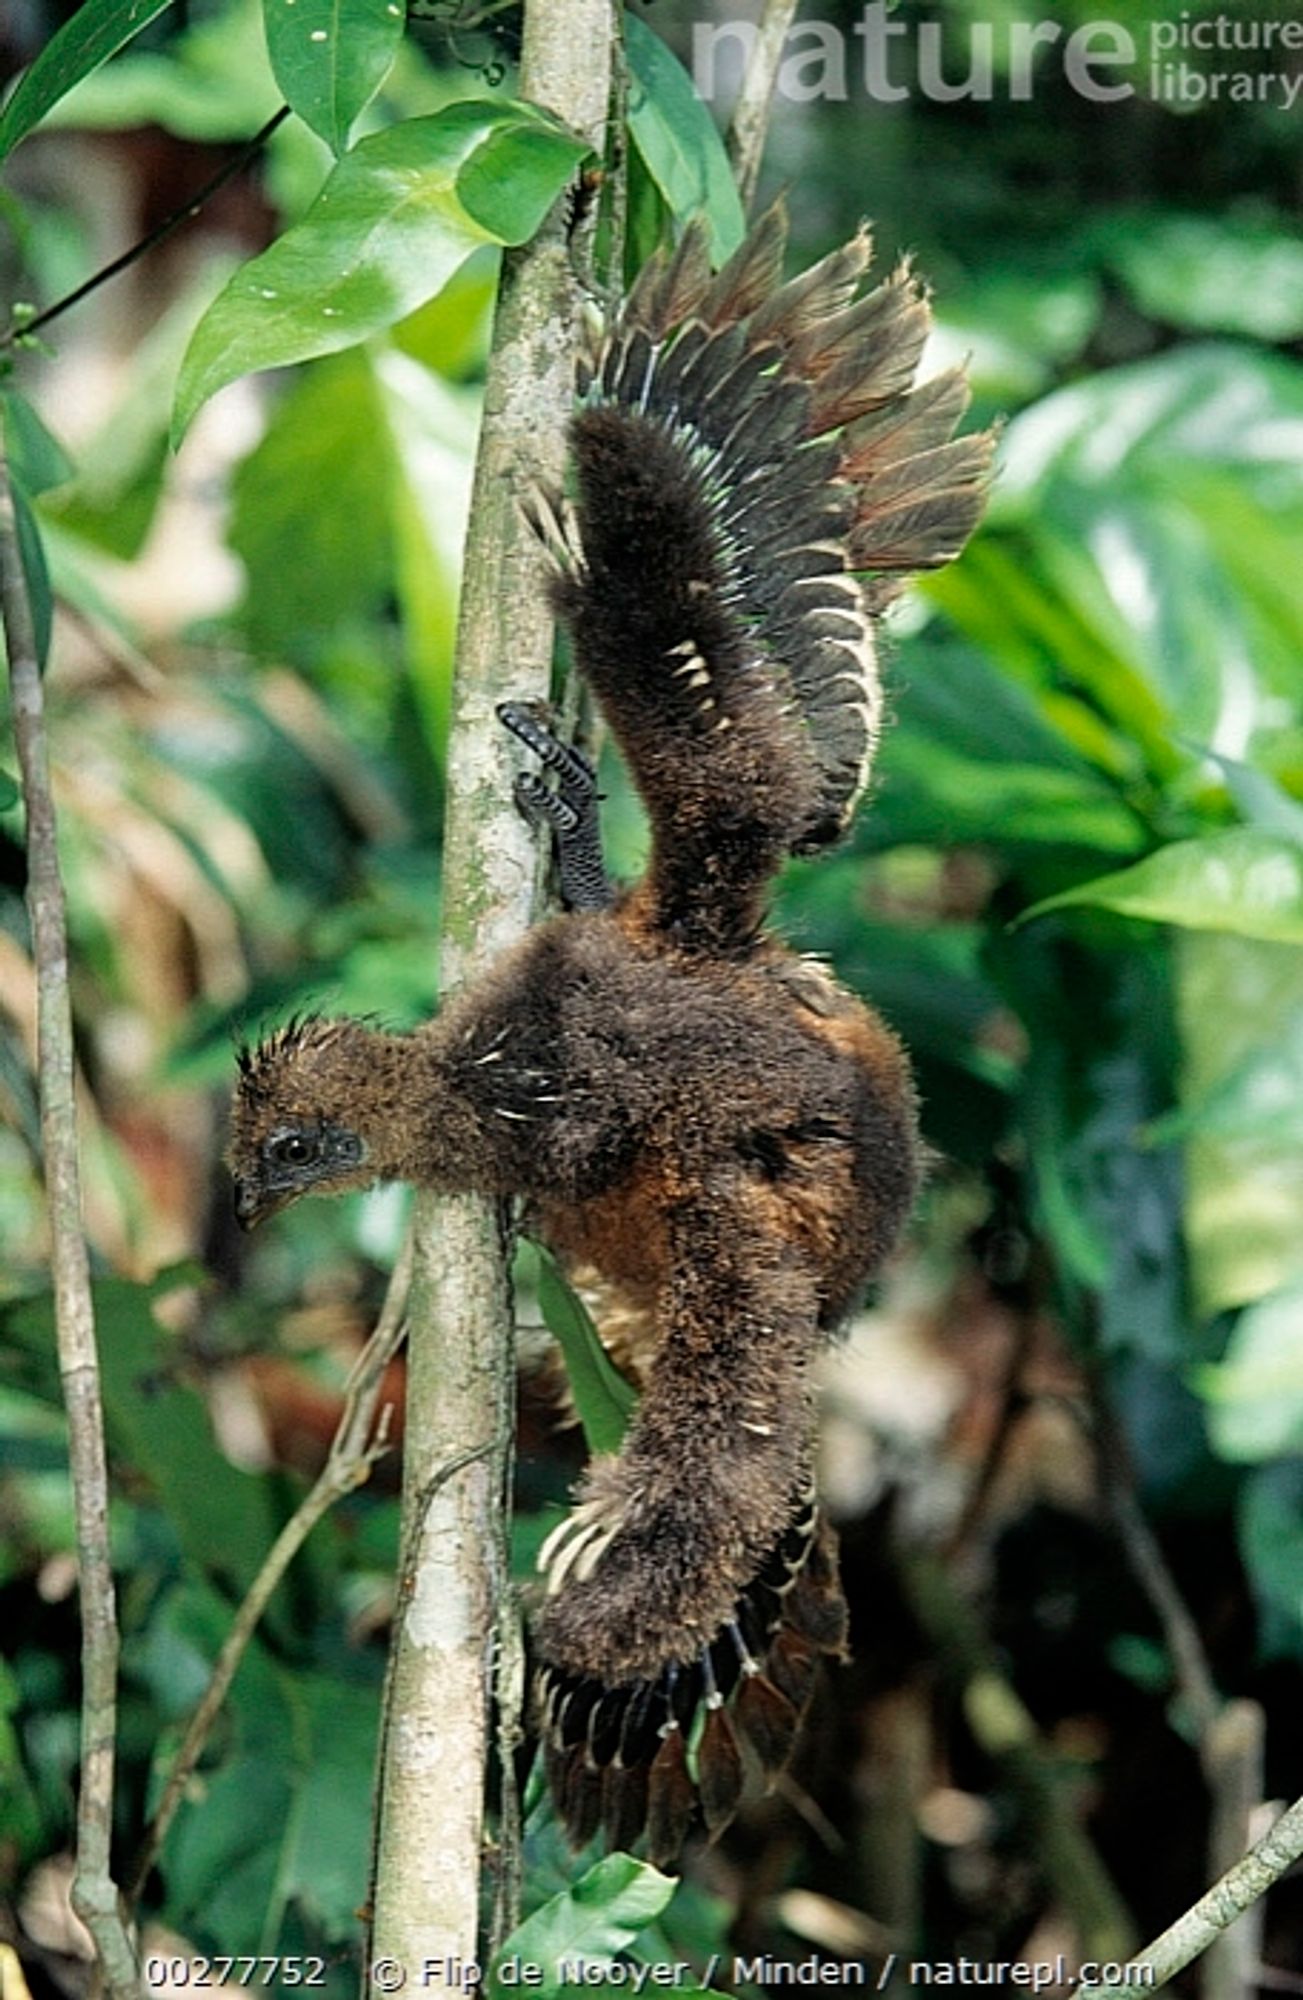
<point>304,1114</point>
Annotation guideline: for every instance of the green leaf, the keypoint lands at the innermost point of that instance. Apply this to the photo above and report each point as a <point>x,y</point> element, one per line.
<point>224,1518</point>
<point>9,791</point>
<point>1013,331</point>
<point>310,514</point>
<point>604,1399</point>
<point>1261,801</point>
<point>449,334</point>
<point>36,457</point>
<point>1153,514</point>
<point>1259,1097</point>
<point>1216,274</point>
<point>678,140</point>
<point>95,32</point>
<point>1239,1016</point>
<point>1271,1544</point>
<point>596,1918</point>
<point>1038,607</point>
<point>433,429</point>
<point>31,550</point>
<point>1255,1394</point>
<point>978,755</point>
<point>1101,1039</point>
<point>394,220</point>
<point>283,1819</point>
<point>20,1814</point>
<point>331,56</point>
<point>210,82</point>
<point>1246,883</point>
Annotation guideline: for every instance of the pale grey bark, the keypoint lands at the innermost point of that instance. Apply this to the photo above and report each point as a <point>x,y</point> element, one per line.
<point>1212,1916</point>
<point>750,123</point>
<point>94,1892</point>
<point>450,1632</point>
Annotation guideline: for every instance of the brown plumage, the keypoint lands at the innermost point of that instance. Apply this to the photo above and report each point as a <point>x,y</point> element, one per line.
<point>709,1127</point>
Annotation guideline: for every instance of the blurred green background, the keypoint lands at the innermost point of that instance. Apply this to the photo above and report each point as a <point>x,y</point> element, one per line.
<point>1095,717</point>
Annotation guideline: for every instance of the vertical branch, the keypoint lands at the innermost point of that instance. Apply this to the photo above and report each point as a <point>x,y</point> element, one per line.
<point>95,1895</point>
<point>450,1625</point>
<point>750,123</point>
<point>1229,1734</point>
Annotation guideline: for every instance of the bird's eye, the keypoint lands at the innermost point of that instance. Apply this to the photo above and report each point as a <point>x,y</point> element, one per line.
<point>293,1150</point>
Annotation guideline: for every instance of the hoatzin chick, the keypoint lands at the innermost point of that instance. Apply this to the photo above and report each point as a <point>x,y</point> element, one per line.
<point>712,1126</point>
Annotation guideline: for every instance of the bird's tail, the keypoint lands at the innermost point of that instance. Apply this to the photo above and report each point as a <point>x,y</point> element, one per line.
<point>669,1755</point>
<point>756,476</point>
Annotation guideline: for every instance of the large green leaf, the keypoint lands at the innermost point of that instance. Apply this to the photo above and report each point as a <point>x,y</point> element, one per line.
<point>1099,1065</point>
<point>1259,1096</point>
<point>599,1916</point>
<point>1255,1394</point>
<point>311,509</point>
<point>1244,882</point>
<point>603,1398</point>
<point>395,218</point>
<point>95,32</point>
<point>979,756</point>
<point>224,1519</point>
<point>359,491</point>
<point>36,570</point>
<point>35,456</point>
<point>1271,1543</point>
<point>1207,405</point>
<point>283,1821</point>
<point>331,56</point>
<point>1013,330</point>
<point>212,81</point>
<point>1141,536</point>
<point>678,140</point>
<point>1239,1007</point>
<point>1031,597</point>
<point>433,428</point>
<point>1261,800</point>
<point>1215,273</point>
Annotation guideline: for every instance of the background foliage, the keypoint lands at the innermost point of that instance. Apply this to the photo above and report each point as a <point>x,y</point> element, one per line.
<point>1077,891</point>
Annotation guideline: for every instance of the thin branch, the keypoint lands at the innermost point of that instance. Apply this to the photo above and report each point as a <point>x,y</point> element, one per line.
<point>1201,1926</point>
<point>94,1894</point>
<point>18,329</point>
<point>750,123</point>
<point>1189,1661</point>
<point>1007,1733</point>
<point>1229,1735</point>
<point>1013,1405</point>
<point>358,1442</point>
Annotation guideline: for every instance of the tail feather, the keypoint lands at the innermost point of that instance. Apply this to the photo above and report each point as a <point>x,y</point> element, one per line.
<point>720,1772</point>
<point>900,430</point>
<point>826,288</point>
<point>671,1802</point>
<point>670,288</point>
<point>656,1757</point>
<point>867,356</point>
<point>752,274</point>
<point>802,455</point>
<point>767,1719</point>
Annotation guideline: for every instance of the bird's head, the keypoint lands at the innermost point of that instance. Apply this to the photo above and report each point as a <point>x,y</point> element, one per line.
<point>306,1117</point>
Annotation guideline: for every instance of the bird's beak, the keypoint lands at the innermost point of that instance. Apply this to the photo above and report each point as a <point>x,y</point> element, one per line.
<point>249,1209</point>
